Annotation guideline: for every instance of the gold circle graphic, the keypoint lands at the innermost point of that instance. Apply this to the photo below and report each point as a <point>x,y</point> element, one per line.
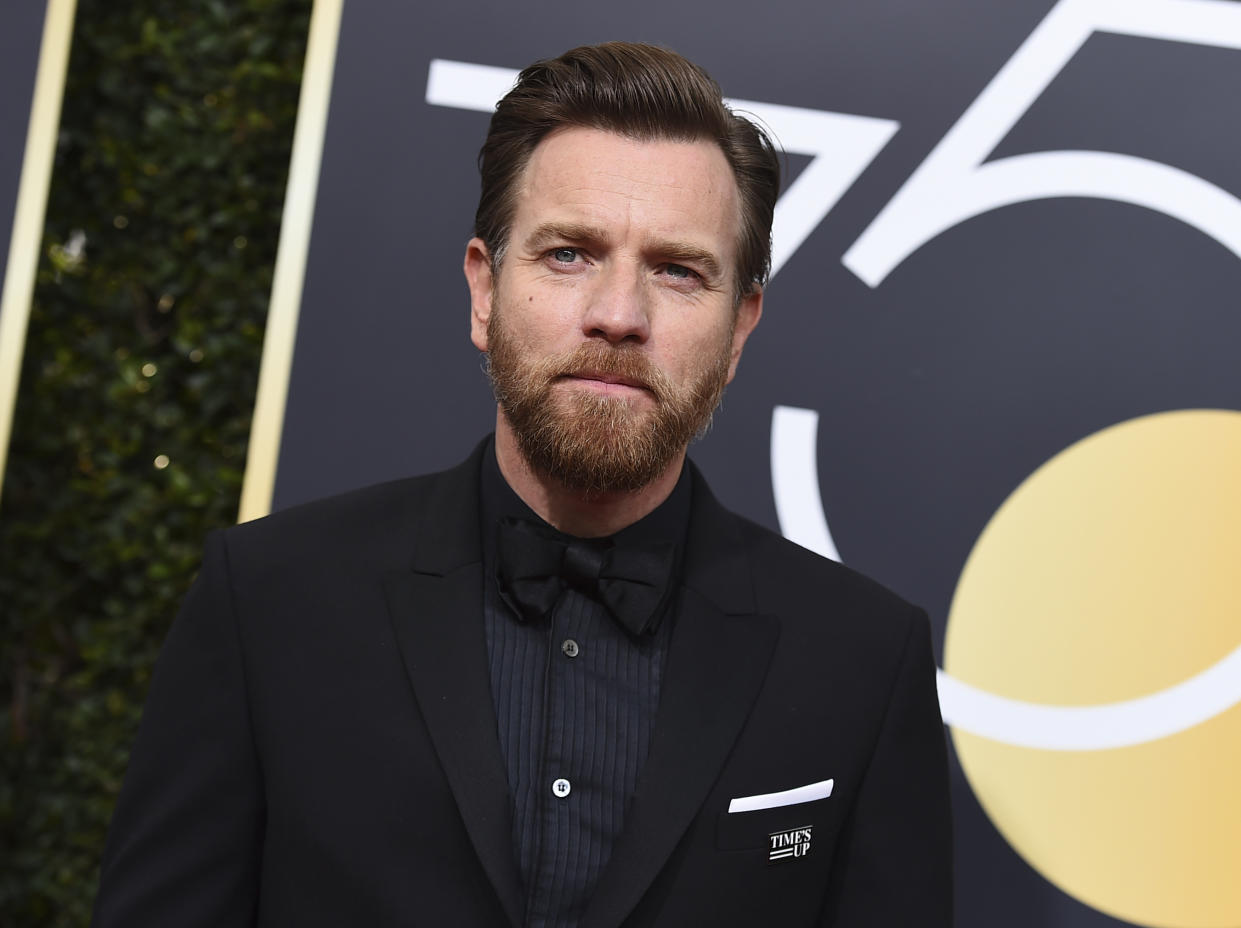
<point>1113,572</point>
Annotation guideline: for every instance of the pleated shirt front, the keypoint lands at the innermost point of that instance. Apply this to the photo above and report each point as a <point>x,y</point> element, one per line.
<point>576,696</point>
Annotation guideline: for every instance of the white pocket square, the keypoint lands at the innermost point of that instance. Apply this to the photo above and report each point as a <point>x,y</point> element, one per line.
<point>790,797</point>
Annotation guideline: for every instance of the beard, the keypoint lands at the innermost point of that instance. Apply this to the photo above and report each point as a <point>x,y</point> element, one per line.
<point>594,443</point>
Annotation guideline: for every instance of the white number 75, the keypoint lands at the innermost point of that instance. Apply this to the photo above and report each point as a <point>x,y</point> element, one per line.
<point>954,184</point>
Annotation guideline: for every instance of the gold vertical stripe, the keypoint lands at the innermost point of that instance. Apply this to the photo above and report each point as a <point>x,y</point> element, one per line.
<point>290,272</point>
<point>36,178</point>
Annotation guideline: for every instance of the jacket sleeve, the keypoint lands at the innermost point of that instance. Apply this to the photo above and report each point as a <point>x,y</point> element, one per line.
<point>185,841</point>
<point>894,866</point>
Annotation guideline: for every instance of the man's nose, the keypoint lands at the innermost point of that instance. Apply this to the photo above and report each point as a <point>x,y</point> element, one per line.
<point>618,307</point>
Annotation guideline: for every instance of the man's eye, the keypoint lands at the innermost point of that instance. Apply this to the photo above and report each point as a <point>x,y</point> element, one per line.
<point>679,271</point>
<point>565,255</point>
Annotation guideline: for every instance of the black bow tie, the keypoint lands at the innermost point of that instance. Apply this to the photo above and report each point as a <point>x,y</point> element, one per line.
<point>534,566</point>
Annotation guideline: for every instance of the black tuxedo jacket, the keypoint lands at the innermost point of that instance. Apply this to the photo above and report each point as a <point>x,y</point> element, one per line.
<point>319,745</point>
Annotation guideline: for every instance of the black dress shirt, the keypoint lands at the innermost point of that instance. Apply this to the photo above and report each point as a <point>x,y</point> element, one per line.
<point>575,699</point>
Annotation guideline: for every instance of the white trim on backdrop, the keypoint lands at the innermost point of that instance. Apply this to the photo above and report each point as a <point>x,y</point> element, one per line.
<point>290,272</point>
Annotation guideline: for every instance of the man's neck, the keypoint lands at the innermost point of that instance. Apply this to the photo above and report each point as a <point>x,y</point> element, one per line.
<point>586,515</point>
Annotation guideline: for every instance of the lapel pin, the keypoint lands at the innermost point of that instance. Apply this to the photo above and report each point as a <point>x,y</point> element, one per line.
<point>784,845</point>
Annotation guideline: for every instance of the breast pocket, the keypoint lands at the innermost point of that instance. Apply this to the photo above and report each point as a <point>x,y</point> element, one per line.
<point>787,832</point>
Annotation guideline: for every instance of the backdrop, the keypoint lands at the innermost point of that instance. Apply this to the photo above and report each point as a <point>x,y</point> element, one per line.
<point>997,371</point>
<point>19,56</point>
<point>29,112</point>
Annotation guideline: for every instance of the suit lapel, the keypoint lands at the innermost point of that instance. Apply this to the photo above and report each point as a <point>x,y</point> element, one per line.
<point>715,668</point>
<point>436,611</point>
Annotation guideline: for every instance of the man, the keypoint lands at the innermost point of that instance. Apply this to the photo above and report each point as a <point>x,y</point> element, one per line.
<point>559,684</point>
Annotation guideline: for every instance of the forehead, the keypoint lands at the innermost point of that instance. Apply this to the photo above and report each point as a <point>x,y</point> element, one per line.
<point>660,189</point>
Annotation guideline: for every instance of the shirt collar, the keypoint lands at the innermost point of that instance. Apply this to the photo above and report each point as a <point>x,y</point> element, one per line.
<point>667,522</point>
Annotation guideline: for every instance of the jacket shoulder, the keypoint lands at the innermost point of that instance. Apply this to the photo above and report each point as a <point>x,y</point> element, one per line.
<point>825,607</point>
<point>783,564</point>
<point>377,526</point>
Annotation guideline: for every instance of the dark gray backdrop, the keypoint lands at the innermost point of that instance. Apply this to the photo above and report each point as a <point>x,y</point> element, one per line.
<point>992,348</point>
<point>19,59</point>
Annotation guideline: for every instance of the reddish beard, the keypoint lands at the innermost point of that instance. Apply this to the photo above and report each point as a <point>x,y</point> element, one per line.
<point>593,442</point>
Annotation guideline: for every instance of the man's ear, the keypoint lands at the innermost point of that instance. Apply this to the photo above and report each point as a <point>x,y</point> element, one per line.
<point>748,313</point>
<point>479,276</point>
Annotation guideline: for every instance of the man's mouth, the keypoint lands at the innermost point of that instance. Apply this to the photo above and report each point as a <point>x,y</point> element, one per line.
<point>606,382</point>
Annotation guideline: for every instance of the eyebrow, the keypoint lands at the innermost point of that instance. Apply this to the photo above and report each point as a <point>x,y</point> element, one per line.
<point>670,250</point>
<point>678,252</point>
<point>551,232</point>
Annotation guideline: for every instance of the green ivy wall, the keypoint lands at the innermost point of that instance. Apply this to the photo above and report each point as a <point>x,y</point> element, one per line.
<point>134,406</point>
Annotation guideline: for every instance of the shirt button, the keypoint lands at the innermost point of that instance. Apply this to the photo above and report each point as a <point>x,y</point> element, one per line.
<point>560,788</point>
<point>569,647</point>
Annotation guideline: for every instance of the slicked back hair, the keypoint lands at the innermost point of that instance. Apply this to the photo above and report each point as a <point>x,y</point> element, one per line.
<point>643,92</point>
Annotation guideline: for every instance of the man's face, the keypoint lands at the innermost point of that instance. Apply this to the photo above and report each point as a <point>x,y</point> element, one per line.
<point>611,327</point>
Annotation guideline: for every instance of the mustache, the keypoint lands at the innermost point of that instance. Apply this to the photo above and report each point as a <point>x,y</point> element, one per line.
<point>623,363</point>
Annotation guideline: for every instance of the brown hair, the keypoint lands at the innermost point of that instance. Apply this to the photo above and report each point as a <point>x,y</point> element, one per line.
<point>642,91</point>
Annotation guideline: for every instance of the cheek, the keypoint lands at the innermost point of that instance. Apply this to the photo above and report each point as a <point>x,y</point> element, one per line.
<point>691,356</point>
<point>721,342</point>
<point>533,332</point>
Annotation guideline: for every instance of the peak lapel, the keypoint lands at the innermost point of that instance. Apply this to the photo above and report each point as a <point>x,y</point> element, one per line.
<point>436,611</point>
<point>717,662</point>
